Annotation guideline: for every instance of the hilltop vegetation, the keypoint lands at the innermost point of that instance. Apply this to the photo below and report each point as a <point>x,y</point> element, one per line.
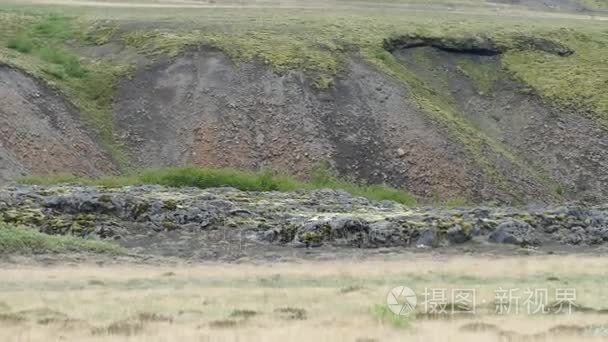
<point>309,41</point>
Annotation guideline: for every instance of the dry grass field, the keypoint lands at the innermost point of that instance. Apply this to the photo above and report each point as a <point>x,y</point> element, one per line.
<point>321,301</point>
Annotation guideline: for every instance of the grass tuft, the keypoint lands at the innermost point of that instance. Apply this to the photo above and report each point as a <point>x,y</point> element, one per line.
<point>384,315</point>
<point>242,180</point>
<point>21,43</point>
<point>24,240</point>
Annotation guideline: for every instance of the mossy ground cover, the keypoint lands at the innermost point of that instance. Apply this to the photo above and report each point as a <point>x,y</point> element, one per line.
<point>242,180</point>
<point>25,240</point>
<point>316,42</point>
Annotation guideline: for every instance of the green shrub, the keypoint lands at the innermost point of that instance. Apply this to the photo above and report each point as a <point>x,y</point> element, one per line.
<point>54,27</point>
<point>20,239</point>
<point>207,178</point>
<point>68,63</point>
<point>21,43</point>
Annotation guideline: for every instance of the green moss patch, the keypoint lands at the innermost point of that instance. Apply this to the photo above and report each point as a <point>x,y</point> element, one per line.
<point>482,75</point>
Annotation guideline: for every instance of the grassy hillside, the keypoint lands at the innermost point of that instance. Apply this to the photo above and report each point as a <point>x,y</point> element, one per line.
<point>315,42</point>
<point>312,41</point>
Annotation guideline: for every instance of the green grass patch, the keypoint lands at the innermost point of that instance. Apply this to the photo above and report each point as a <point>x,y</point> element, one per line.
<point>577,82</point>
<point>242,180</point>
<point>70,64</point>
<point>52,179</point>
<point>384,315</point>
<point>42,46</point>
<point>21,43</point>
<point>25,240</point>
<point>482,75</point>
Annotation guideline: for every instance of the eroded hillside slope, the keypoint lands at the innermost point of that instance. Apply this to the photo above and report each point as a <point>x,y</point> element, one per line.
<point>200,108</point>
<point>41,132</point>
<point>565,144</point>
<point>464,110</point>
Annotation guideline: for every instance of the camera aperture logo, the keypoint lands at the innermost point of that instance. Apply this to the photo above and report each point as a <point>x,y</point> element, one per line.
<point>401,300</point>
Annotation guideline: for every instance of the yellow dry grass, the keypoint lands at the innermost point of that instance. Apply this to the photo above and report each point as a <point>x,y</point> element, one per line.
<point>325,301</point>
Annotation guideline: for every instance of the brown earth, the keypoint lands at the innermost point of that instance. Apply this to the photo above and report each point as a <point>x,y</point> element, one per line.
<point>202,109</point>
<point>568,146</point>
<point>41,132</point>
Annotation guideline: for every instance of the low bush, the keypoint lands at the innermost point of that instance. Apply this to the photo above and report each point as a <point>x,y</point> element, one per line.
<point>21,43</point>
<point>24,240</point>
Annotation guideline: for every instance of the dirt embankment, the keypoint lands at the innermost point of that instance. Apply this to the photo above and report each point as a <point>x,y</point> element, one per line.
<point>41,132</point>
<point>201,108</point>
<point>566,146</point>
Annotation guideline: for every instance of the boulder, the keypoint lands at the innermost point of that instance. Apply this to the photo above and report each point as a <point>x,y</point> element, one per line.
<point>458,235</point>
<point>428,238</point>
<point>514,232</point>
<point>349,231</point>
<point>385,233</point>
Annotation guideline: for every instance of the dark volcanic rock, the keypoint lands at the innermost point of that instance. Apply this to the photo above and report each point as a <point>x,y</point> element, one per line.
<point>349,231</point>
<point>514,232</point>
<point>457,235</point>
<point>385,233</point>
<point>191,221</point>
<point>428,238</point>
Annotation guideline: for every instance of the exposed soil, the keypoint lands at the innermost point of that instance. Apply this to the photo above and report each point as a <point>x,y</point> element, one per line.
<point>567,146</point>
<point>200,108</point>
<point>40,132</point>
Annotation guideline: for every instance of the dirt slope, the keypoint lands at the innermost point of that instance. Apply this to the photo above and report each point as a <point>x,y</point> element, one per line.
<point>566,145</point>
<point>41,133</point>
<point>202,109</point>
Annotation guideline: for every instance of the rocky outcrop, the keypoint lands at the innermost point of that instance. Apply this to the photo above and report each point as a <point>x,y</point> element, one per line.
<point>478,45</point>
<point>143,216</point>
